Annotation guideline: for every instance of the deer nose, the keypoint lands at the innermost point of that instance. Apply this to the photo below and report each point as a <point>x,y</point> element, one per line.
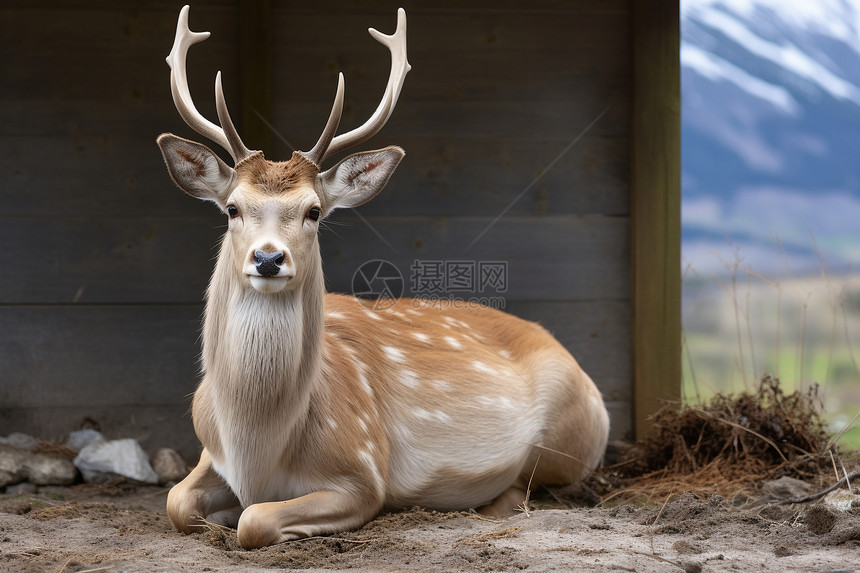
<point>268,264</point>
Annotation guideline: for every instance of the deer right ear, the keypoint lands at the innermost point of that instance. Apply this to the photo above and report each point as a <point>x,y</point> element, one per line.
<point>196,169</point>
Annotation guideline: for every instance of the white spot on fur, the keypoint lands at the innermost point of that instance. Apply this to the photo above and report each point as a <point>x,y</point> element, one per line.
<point>435,416</point>
<point>421,336</point>
<point>453,342</point>
<point>332,423</point>
<point>410,379</point>
<point>506,355</point>
<point>363,424</point>
<point>335,314</point>
<point>372,315</point>
<point>398,314</point>
<point>442,385</point>
<point>365,456</point>
<point>496,402</point>
<point>394,354</point>
<point>483,368</point>
<point>362,379</point>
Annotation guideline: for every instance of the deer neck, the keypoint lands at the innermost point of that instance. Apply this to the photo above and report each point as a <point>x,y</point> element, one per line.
<point>262,352</point>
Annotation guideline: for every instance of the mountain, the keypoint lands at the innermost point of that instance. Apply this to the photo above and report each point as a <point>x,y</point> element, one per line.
<point>770,131</point>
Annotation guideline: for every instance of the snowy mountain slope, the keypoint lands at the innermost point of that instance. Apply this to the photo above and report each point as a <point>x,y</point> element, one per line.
<point>771,130</point>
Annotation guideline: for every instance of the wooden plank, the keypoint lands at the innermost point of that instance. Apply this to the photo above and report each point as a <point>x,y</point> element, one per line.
<point>482,176</point>
<point>511,74</point>
<point>80,355</point>
<point>112,5</point>
<point>255,69</point>
<point>130,368</point>
<point>136,260</point>
<point>548,258</point>
<point>100,176</point>
<point>92,177</point>
<point>84,72</point>
<point>158,426</point>
<point>655,208</point>
<point>87,260</point>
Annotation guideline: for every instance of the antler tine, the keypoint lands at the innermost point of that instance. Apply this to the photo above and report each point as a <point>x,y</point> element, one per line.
<point>396,43</point>
<point>237,148</point>
<point>318,153</point>
<point>184,39</point>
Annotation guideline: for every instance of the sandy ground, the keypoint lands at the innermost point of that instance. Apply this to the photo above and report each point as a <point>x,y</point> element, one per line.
<point>87,528</point>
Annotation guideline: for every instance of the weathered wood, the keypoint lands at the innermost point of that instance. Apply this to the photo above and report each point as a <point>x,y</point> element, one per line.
<point>255,68</point>
<point>133,260</point>
<point>81,72</point>
<point>550,85</point>
<point>477,177</point>
<point>548,258</point>
<point>144,260</point>
<point>129,367</point>
<point>655,189</point>
<point>92,177</point>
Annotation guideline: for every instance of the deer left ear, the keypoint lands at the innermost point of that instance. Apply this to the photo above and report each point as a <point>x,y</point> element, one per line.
<point>358,178</point>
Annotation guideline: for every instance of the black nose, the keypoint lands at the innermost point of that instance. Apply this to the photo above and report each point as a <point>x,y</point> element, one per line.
<point>268,264</point>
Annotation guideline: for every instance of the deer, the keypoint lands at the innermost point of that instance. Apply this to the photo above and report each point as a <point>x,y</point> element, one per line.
<point>317,411</point>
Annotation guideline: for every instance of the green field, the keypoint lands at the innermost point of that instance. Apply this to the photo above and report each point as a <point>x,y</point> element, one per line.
<point>803,331</point>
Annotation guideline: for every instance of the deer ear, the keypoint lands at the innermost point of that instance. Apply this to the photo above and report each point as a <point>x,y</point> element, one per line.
<point>196,169</point>
<point>358,178</point>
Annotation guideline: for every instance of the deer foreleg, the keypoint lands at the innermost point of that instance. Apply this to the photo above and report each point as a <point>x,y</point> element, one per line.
<point>202,495</point>
<point>317,513</point>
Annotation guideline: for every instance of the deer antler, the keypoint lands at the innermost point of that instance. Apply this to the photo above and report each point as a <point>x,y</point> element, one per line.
<point>328,144</point>
<point>226,136</point>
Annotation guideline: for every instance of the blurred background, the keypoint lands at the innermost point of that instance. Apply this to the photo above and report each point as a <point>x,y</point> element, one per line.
<point>771,198</point>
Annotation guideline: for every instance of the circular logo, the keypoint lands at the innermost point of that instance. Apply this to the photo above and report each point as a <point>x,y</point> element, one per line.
<point>379,282</point>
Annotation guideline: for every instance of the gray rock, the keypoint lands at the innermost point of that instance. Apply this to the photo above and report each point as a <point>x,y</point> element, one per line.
<point>12,465</point>
<point>23,488</point>
<point>18,465</point>
<point>785,488</point>
<point>82,438</point>
<point>45,469</point>
<point>19,440</point>
<point>169,465</point>
<point>100,461</point>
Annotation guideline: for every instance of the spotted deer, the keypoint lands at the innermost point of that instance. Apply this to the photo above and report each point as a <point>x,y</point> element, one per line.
<point>316,411</point>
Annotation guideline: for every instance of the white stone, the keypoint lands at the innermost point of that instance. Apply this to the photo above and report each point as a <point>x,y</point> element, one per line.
<point>19,440</point>
<point>99,461</point>
<point>82,438</point>
<point>18,465</point>
<point>842,500</point>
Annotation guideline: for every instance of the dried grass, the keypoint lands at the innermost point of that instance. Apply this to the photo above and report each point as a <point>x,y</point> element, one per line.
<point>724,446</point>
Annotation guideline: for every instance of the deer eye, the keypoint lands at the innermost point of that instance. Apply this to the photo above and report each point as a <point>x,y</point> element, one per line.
<point>232,211</point>
<point>314,213</point>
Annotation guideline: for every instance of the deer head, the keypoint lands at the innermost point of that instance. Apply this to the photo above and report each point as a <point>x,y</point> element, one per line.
<point>274,208</point>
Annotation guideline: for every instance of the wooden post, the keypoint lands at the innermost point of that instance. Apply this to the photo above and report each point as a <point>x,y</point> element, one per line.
<point>255,73</point>
<point>655,207</point>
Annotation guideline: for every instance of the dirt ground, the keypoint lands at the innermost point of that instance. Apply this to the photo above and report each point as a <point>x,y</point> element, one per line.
<point>93,528</point>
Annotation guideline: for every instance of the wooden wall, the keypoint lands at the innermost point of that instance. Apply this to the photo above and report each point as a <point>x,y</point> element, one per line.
<point>105,261</point>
